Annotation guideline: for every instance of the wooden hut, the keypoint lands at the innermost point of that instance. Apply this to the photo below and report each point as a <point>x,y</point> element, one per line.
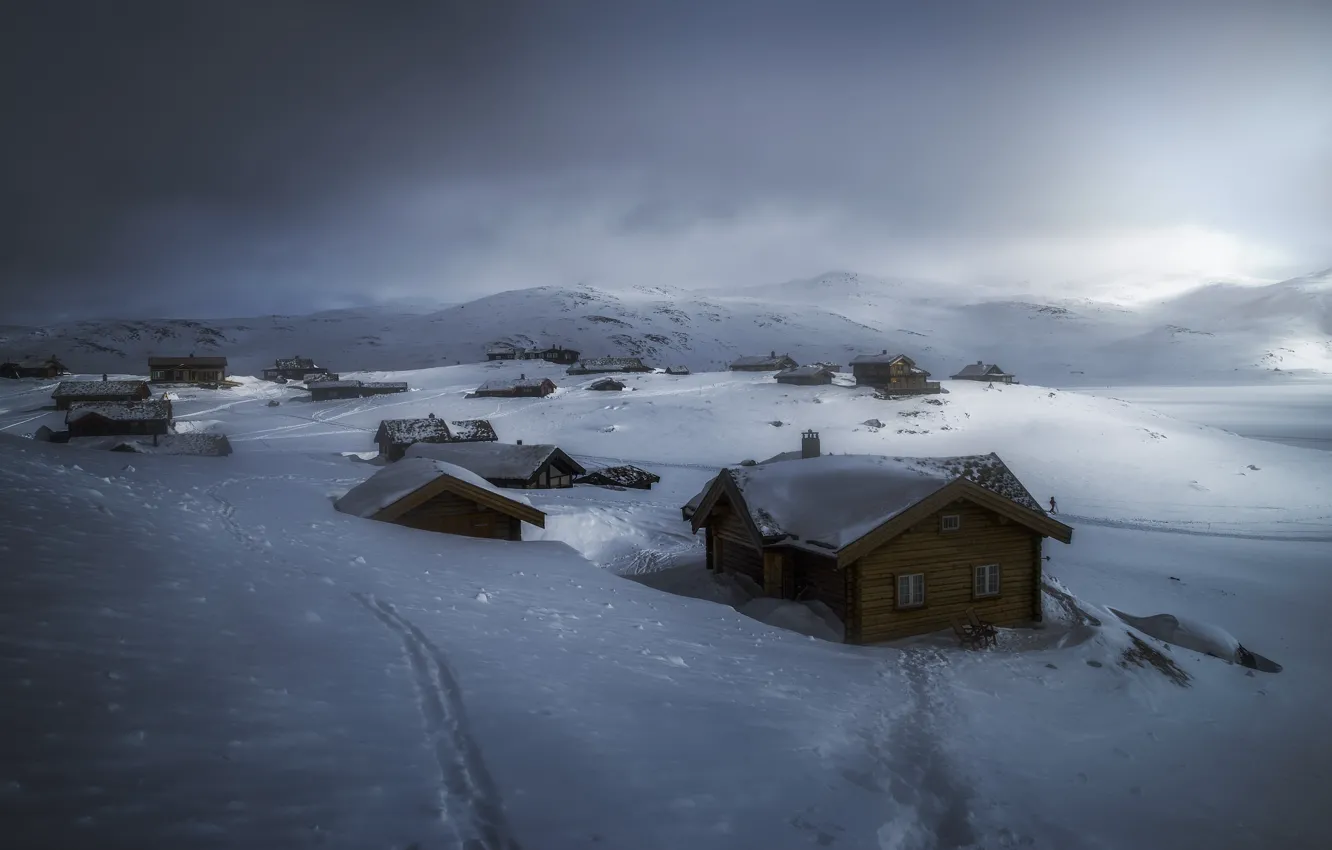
<point>677,370</point>
<point>293,369</point>
<point>522,387</point>
<point>599,365</point>
<point>529,467</point>
<point>894,546</point>
<point>758,363</point>
<point>394,436</point>
<point>606,385</point>
<point>51,367</point>
<point>69,392</point>
<point>501,351</point>
<point>805,376</point>
<point>187,370</point>
<point>333,390</point>
<point>892,372</point>
<point>982,371</point>
<point>435,496</point>
<point>118,418</point>
<point>625,476</point>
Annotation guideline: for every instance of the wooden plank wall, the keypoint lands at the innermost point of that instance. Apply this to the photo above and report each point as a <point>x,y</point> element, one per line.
<point>947,559</point>
<point>452,514</point>
<point>818,580</point>
<point>738,554</point>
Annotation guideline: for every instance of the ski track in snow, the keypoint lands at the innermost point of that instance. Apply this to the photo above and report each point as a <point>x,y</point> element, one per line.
<point>470,805</point>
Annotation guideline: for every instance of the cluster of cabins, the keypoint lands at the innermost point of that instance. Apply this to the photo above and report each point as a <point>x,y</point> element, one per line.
<point>893,373</point>
<point>324,385</point>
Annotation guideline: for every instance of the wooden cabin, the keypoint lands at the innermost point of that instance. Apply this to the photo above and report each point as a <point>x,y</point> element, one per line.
<point>892,372</point>
<point>431,495</point>
<point>894,546</point>
<point>369,388</point>
<point>70,392</point>
<point>599,365</point>
<point>395,436</point>
<point>187,370</point>
<point>316,377</point>
<point>606,385</point>
<point>982,371</point>
<point>516,466</point>
<point>51,367</point>
<point>523,387</point>
<point>473,431</point>
<point>554,354</point>
<point>758,363</point>
<point>501,351</point>
<point>294,369</point>
<point>335,390</point>
<point>625,476</point>
<point>118,418</point>
<point>805,376</point>
<point>677,370</point>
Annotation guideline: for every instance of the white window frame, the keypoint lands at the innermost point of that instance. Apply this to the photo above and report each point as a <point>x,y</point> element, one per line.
<point>986,581</point>
<point>914,597</point>
<point>956,525</point>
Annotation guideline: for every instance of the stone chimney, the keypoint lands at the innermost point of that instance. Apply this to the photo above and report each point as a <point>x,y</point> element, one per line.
<point>809,444</point>
<point>518,443</point>
<point>885,351</point>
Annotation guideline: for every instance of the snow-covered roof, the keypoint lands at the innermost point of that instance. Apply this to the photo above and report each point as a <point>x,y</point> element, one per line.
<point>399,480</point>
<point>773,360</point>
<point>885,357</point>
<point>978,370</point>
<point>677,370</point>
<point>123,411</point>
<point>308,377</point>
<point>169,362</point>
<point>513,384</point>
<point>384,385</point>
<point>606,384</point>
<point>473,430</point>
<point>804,372</point>
<point>404,431</point>
<point>625,475</point>
<point>330,385</point>
<point>831,501</point>
<point>194,444</point>
<point>294,363</point>
<point>607,364</point>
<point>491,460</point>
<point>74,389</point>
<point>500,348</point>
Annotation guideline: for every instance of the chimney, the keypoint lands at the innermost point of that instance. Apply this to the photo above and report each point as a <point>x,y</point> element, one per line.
<point>522,377</point>
<point>980,362</point>
<point>772,355</point>
<point>432,416</point>
<point>519,443</point>
<point>809,444</point>
<point>885,351</point>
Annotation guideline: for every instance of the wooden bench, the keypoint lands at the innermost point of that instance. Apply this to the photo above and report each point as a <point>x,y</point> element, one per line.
<point>969,637</point>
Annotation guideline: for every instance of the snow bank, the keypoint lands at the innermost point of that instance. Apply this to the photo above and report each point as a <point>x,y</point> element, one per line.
<point>799,617</point>
<point>403,478</point>
<point>1186,632</point>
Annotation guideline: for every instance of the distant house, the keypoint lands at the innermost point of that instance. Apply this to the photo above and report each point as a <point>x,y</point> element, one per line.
<point>294,369</point>
<point>892,372</point>
<point>507,465</point>
<point>187,370</point>
<point>396,435</point>
<point>677,370</point>
<point>118,418</point>
<point>620,476</point>
<point>69,392</point>
<point>473,431</point>
<point>759,363</point>
<point>894,546</point>
<point>522,387</point>
<point>51,367</point>
<point>382,387</point>
<point>805,376</point>
<point>554,354</point>
<point>501,351</point>
<point>334,390</point>
<point>315,377</point>
<point>606,385</point>
<point>982,371</point>
<point>435,496</point>
<point>597,365</point>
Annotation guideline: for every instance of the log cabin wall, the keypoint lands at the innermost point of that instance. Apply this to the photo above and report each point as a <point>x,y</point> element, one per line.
<point>817,579</point>
<point>733,548</point>
<point>948,560</point>
<point>452,514</point>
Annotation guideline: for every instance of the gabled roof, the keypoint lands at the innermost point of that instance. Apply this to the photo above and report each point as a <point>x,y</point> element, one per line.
<point>844,506</point>
<point>677,370</point>
<point>805,372</point>
<point>93,389</point>
<point>330,385</point>
<point>884,358</point>
<point>195,362</point>
<point>776,361</point>
<point>981,370</point>
<point>514,384</point>
<point>396,489</point>
<point>405,431</point>
<point>294,363</point>
<point>625,476</point>
<point>473,431</point>
<point>497,461</point>
<point>607,364</point>
<point>606,384</point>
<point>500,348</point>
<point>121,411</point>
<point>384,385</point>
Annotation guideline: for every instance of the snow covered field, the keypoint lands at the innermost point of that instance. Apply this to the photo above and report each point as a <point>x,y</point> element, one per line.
<point>201,652</point>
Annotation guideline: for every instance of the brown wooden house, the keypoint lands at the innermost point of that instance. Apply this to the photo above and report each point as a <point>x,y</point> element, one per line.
<point>435,496</point>
<point>606,385</point>
<point>892,372</point>
<point>70,392</point>
<point>395,436</point>
<point>51,367</point>
<point>982,371</point>
<point>293,369</point>
<point>805,376</point>
<point>600,365</point>
<point>554,354</point>
<point>894,546</point>
<point>507,465</point>
<point>187,370</point>
<point>118,418</point>
<point>623,477</point>
<point>523,387</point>
<point>501,351</point>
<point>758,363</point>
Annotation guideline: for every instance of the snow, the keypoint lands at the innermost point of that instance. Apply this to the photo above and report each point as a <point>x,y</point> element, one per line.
<point>488,459</point>
<point>120,410</point>
<point>98,388</point>
<point>512,384</point>
<point>401,479</point>
<point>403,431</point>
<point>473,430</point>
<point>204,653</point>
<point>1185,632</point>
<point>200,444</point>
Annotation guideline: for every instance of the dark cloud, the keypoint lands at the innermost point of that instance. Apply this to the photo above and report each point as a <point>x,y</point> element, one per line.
<point>243,157</point>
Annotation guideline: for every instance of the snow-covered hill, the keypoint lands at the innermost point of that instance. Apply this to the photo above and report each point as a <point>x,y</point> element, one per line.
<point>1218,333</point>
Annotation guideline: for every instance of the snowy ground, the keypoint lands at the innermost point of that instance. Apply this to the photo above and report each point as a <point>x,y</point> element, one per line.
<point>201,652</point>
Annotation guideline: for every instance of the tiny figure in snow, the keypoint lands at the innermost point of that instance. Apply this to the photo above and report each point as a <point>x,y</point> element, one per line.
<point>1054,509</point>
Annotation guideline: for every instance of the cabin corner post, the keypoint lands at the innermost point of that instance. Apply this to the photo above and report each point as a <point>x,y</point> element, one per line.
<point>1037,579</point>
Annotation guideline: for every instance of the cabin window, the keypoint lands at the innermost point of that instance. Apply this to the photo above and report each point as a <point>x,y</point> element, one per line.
<point>987,581</point>
<point>950,522</point>
<point>911,590</point>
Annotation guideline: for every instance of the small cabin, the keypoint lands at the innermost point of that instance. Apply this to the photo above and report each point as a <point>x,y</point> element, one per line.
<point>894,546</point>
<point>530,467</point>
<point>187,370</point>
<point>51,367</point>
<point>316,377</point>
<point>598,365</point>
<point>292,369</point>
<point>395,436</point>
<point>501,351</point>
<point>432,495</point>
<point>759,363</point>
<point>69,392</point>
<point>982,371</point>
<point>626,476</point>
<point>677,370</point>
<point>554,354</point>
<point>606,385</point>
<point>894,373</point>
<point>522,387</point>
<point>369,388</point>
<point>336,390</point>
<point>118,418</point>
<point>805,376</point>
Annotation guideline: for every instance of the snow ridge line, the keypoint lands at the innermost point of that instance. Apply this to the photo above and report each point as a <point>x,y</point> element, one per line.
<point>471,806</point>
<point>1290,537</point>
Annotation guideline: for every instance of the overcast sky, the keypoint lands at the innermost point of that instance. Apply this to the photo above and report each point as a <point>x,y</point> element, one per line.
<point>212,159</point>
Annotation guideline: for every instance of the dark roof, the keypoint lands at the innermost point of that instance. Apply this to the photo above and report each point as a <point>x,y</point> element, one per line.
<point>93,389</point>
<point>804,372</point>
<point>407,431</point>
<point>677,370</point>
<point>473,431</point>
<point>123,411</point>
<point>496,461</point>
<point>500,348</point>
<point>606,384</point>
<point>880,358</point>
<point>626,476</point>
<point>774,360</point>
<point>384,385</point>
<point>980,370</point>
<point>607,364</point>
<point>328,385</point>
<point>295,363</point>
<point>514,383</point>
<point>205,362</point>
